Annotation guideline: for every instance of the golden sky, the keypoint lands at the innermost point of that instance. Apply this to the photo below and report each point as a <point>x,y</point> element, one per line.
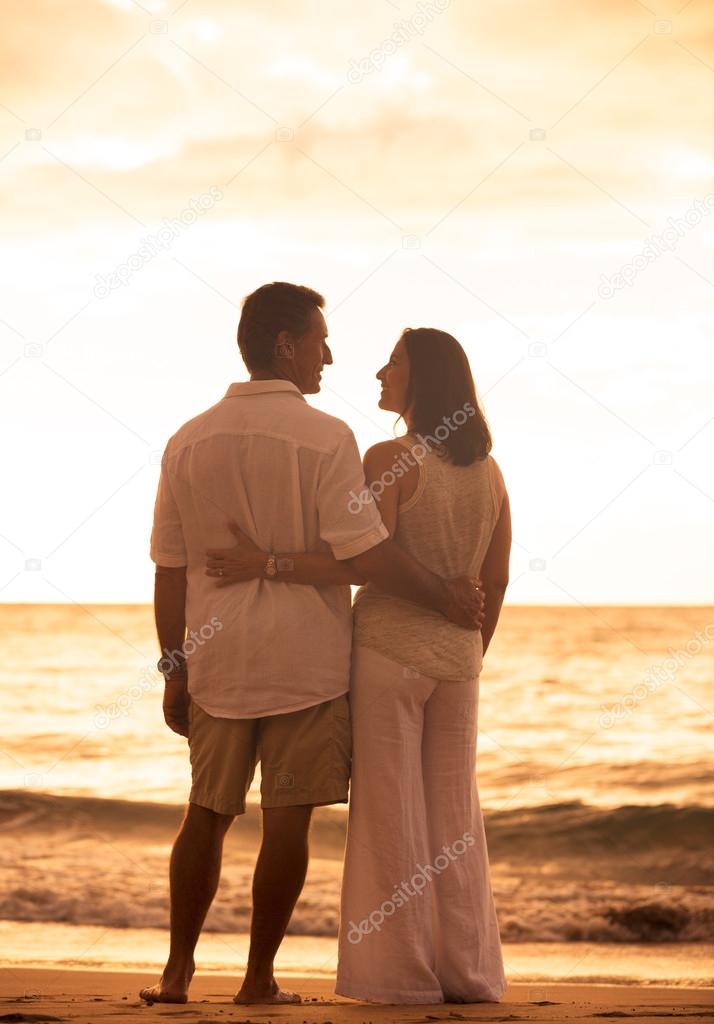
<point>536,178</point>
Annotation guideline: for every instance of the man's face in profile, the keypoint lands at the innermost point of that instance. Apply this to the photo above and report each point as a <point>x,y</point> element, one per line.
<point>311,354</point>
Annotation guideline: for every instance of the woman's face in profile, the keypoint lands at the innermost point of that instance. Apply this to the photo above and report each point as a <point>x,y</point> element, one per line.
<point>394,378</point>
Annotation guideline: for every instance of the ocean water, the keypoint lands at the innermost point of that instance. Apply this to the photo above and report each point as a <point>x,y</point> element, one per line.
<point>594,766</point>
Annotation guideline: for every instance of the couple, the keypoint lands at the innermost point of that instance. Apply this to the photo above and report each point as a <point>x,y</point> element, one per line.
<point>264,516</point>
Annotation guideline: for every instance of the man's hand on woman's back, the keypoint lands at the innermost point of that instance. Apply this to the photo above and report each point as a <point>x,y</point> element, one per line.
<point>464,602</point>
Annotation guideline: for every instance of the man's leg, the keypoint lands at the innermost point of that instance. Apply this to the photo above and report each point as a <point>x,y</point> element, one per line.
<point>194,873</point>
<point>277,883</point>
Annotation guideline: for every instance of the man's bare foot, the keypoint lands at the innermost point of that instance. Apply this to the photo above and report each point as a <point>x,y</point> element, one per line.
<point>272,994</point>
<point>160,994</point>
<point>170,989</point>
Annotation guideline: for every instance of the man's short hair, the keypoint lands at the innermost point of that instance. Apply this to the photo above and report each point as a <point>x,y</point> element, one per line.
<point>269,310</point>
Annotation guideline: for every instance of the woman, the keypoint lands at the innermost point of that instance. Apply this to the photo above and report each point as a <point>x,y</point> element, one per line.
<point>418,921</point>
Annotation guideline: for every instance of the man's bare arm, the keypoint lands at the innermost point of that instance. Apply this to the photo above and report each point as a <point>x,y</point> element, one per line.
<point>392,568</point>
<point>170,617</point>
<point>388,565</point>
<point>396,572</point>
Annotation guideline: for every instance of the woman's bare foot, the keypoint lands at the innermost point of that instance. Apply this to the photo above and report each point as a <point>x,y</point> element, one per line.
<point>172,988</point>
<point>272,994</point>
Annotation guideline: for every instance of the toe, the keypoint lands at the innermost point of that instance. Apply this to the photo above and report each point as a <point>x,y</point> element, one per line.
<point>278,996</point>
<point>157,994</point>
<point>283,996</point>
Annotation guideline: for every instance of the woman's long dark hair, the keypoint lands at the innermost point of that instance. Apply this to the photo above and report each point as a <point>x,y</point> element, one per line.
<point>440,386</point>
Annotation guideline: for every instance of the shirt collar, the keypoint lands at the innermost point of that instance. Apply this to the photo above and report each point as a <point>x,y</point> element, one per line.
<point>262,387</point>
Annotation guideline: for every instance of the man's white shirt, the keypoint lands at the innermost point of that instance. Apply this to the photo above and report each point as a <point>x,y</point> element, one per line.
<point>285,473</point>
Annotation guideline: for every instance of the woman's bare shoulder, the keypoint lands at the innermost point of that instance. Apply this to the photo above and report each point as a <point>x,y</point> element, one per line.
<point>383,454</point>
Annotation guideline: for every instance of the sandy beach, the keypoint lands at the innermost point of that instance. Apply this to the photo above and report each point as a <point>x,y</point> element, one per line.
<point>29,994</point>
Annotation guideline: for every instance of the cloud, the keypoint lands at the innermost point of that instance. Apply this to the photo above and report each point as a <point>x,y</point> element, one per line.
<point>141,111</point>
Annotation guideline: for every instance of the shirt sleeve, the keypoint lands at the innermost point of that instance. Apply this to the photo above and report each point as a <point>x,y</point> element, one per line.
<point>167,541</point>
<point>349,518</point>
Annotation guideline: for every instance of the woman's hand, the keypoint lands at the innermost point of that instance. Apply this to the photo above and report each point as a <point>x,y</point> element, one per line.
<point>243,562</point>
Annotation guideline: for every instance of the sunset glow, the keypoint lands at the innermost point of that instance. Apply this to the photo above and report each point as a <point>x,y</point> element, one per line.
<point>480,170</point>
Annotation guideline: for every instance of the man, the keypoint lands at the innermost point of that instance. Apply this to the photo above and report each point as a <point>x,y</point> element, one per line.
<point>264,673</point>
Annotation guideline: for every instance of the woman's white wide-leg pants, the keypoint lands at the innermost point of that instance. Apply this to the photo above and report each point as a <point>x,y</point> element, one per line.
<point>418,921</point>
